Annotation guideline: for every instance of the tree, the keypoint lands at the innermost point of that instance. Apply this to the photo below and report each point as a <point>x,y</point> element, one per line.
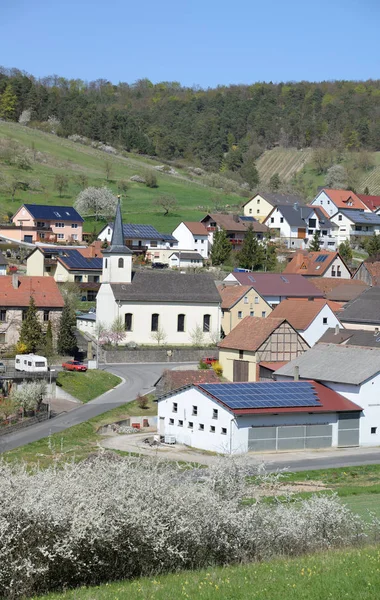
<point>322,160</point>
<point>150,179</point>
<point>221,248</point>
<point>122,186</point>
<point>108,169</point>
<point>250,174</point>
<point>167,202</point>
<point>372,245</point>
<point>251,254</point>
<point>48,343</point>
<point>159,336</point>
<point>29,396</point>
<point>12,186</point>
<point>67,342</point>
<point>31,330</point>
<point>197,336</point>
<point>142,401</point>
<point>366,191</point>
<point>61,183</point>
<point>25,117</point>
<point>345,251</point>
<point>314,244</point>
<point>8,101</point>
<point>99,202</point>
<point>275,182</point>
<point>114,335</point>
<point>336,177</point>
<point>82,180</point>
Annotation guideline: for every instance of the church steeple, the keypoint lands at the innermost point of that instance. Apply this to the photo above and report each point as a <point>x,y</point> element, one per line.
<point>117,261</point>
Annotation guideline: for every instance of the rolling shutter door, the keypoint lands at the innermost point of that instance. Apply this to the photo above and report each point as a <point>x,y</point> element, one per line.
<point>348,429</point>
<point>291,437</point>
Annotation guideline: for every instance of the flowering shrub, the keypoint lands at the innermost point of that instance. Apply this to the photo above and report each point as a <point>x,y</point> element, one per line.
<point>105,519</point>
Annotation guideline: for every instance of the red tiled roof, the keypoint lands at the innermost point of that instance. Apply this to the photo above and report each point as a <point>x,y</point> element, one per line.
<point>277,284</point>
<point>342,199</point>
<point>339,290</point>
<point>305,263</point>
<point>274,365</point>
<point>228,222</point>
<point>373,269</point>
<point>178,379</point>
<point>300,313</point>
<point>230,294</point>
<point>44,290</point>
<point>196,227</point>
<point>250,333</point>
<point>371,202</point>
<point>94,250</point>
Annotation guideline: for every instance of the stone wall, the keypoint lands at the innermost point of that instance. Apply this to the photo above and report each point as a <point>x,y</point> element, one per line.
<point>158,355</point>
<point>27,422</point>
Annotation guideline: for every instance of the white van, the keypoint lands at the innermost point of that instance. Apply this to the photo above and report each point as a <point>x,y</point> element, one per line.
<point>31,363</point>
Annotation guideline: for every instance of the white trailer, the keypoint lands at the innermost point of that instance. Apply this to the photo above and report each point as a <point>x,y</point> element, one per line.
<point>31,363</point>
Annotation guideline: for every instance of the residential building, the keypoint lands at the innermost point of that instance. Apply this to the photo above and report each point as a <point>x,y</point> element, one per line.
<point>234,226</point>
<point>3,264</point>
<point>41,222</point>
<point>185,260</point>
<point>275,287</point>
<point>86,323</point>
<point>318,264</point>
<point>310,318</point>
<point>260,205</point>
<point>334,200</point>
<point>363,312</point>
<point>172,380</point>
<point>338,289</point>
<point>296,224</point>
<point>368,272</point>
<point>355,223</point>
<point>15,293</point>
<point>255,340</point>
<point>155,306</point>
<point>238,302</point>
<point>231,418</point>
<point>371,202</point>
<point>352,372</point>
<point>351,337</point>
<point>192,236</point>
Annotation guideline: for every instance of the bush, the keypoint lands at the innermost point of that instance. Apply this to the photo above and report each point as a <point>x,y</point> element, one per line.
<point>202,365</point>
<point>142,401</point>
<point>217,368</point>
<point>150,179</point>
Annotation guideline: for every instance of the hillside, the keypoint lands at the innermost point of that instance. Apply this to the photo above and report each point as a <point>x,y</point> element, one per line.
<point>283,161</point>
<point>50,155</point>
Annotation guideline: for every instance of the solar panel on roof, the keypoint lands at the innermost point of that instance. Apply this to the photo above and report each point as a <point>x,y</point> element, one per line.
<point>251,278</point>
<point>284,279</point>
<point>321,258</point>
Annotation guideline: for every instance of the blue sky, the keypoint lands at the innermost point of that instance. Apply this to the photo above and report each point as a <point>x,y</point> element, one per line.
<point>194,42</point>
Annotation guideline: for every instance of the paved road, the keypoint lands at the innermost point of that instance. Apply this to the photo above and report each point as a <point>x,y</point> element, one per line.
<point>139,378</point>
<point>329,459</point>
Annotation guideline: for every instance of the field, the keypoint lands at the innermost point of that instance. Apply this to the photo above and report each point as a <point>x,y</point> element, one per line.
<point>371,179</point>
<point>58,155</point>
<point>87,386</point>
<point>284,161</point>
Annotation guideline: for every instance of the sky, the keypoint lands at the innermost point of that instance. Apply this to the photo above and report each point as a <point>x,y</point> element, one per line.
<point>194,42</point>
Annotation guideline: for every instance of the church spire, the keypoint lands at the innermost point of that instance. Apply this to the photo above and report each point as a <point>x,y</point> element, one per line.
<point>117,241</point>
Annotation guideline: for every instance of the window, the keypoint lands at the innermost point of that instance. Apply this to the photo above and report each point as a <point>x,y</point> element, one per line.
<point>120,263</point>
<point>202,241</point>
<point>42,236</point>
<point>263,314</point>
<point>154,324</point>
<point>180,423</point>
<point>206,322</point>
<point>46,315</point>
<point>40,224</point>
<point>109,231</point>
<point>3,315</point>
<point>256,299</point>
<point>171,421</point>
<point>78,278</point>
<point>373,430</point>
<point>60,225</point>
<point>153,244</point>
<point>60,236</point>
<point>281,219</point>
<point>175,407</point>
<point>258,211</point>
<point>250,211</point>
<point>224,431</point>
<point>181,323</point>
<point>24,314</point>
<point>201,427</point>
<point>190,424</point>
<point>75,236</point>
<point>212,429</point>
<point>196,240</point>
<point>195,411</point>
<point>106,263</point>
<point>240,314</point>
<point>272,219</point>
<point>324,231</point>
<point>312,223</point>
<point>324,320</point>
<point>74,225</point>
<point>333,272</point>
<point>338,272</point>
<point>214,413</point>
<point>128,322</point>
<point>340,218</point>
<point>251,313</point>
<point>241,354</point>
<point>245,299</point>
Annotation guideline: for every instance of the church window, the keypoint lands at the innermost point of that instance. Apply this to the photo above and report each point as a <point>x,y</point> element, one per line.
<point>154,326</point>
<point>121,263</point>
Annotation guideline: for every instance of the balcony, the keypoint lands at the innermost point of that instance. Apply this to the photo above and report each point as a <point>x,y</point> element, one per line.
<point>211,228</point>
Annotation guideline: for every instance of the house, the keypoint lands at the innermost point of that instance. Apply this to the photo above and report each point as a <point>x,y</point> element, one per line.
<point>238,302</point>
<point>368,272</point>
<point>355,223</point>
<point>173,380</point>
<point>184,260</point>
<point>15,294</point>
<point>86,323</point>
<point>260,205</point>
<point>275,287</point>
<point>192,235</point>
<point>334,200</point>
<point>351,337</point>
<point>255,340</point>
<point>352,372</point>
<point>234,418</point>
<point>234,226</point>
<point>42,222</point>
<point>295,226</point>
<point>155,307</point>
<point>143,239</point>
<point>363,312</point>
<point>318,264</point>
<point>371,202</point>
<point>3,264</point>
<point>310,318</point>
<point>339,290</point>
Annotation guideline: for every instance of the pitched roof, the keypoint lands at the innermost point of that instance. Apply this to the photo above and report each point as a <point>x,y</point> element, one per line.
<point>363,309</point>
<point>277,284</point>
<point>173,380</point>
<point>373,268</point>
<point>294,216</point>
<point>117,245</point>
<point>351,337</point>
<point>371,202</point>
<point>135,231</point>
<point>151,286</point>
<point>94,250</point>
<point>44,290</point>
<point>339,290</point>
<point>62,213</point>
<point>360,217</point>
<point>196,228</point>
<point>188,255</point>
<point>300,313</point>
<point>277,199</point>
<point>342,198</point>
<point>250,333</point>
<point>331,362</point>
<point>311,263</point>
<point>74,260</point>
<point>231,294</point>
<point>323,216</point>
<point>231,222</point>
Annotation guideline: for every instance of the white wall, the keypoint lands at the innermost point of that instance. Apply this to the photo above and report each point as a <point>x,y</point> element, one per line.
<point>323,200</point>
<point>185,262</point>
<point>188,241</point>
<point>317,328</point>
<point>337,262</point>
<point>274,221</point>
<point>86,326</point>
<point>344,224</point>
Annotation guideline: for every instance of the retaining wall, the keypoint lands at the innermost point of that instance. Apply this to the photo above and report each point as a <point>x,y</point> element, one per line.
<point>158,355</point>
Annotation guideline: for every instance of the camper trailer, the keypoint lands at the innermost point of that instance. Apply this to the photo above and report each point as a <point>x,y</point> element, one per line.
<point>31,363</point>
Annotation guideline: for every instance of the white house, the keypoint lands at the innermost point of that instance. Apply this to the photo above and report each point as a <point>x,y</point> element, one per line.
<point>296,224</point>
<point>318,264</point>
<point>351,223</point>
<point>155,307</point>
<point>87,323</point>
<point>333,200</point>
<point>184,260</point>
<point>233,418</point>
<point>353,372</point>
<point>192,235</point>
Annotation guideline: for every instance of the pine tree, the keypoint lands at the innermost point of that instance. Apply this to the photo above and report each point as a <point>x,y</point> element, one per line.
<point>251,256</point>
<point>274,182</point>
<point>48,342</point>
<point>345,251</point>
<point>314,244</point>
<point>8,102</point>
<point>221,248</point>
<point>31,331</point>
<point>67,343</point>
<point>366,191</point>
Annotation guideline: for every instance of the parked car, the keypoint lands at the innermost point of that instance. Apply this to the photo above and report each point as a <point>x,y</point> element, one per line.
<point>74,365</point>
<point>209,360</point>
<point>3,367</point>
<point>159,265</point>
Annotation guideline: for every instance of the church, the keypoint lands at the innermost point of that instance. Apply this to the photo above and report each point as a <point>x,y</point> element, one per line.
<point>163,307</point>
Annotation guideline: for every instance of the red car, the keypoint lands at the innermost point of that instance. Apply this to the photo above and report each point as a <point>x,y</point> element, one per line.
<point>209,360</point>
<point>74,365</point>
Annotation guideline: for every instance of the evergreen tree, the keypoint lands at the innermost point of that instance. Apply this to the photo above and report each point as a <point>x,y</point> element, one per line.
<point>314,244</point>
<point>345,251</point>
<point>67,343</point>
<point>31,331</point>
<point>366,191</point>
<point>274,182</point>
<point>221,248</point>
<point>372,245</point>
<point>48,343</point>
<point>8,102</point>
<point>251,256</point>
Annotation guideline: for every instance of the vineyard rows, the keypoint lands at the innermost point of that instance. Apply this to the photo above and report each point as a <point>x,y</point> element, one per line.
<point>284,161</point>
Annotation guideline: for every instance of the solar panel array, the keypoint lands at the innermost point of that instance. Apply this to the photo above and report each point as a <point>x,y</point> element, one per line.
<point>276,394</point>
<point>145,232</point>
<point>321,258</point>
<point>74,260</point>
<point>43,211</point>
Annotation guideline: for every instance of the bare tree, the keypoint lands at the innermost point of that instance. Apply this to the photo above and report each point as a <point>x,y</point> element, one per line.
<point>82,180</point>
<point>108,169</point>
<point>197,336</point>
<point>159,336</point>
<point>98,202</point>
<point>167,202</point>
<point>122,186</point>
<point>61,183</point>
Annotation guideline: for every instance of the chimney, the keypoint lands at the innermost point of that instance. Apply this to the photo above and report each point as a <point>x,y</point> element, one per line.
<point>15,281</point>
<point>295,206</point>
<point>337,329</point>
<point>296,373</point>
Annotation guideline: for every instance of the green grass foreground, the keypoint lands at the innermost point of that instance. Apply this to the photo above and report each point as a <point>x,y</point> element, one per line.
<point>348,575</point>
<point>87,386</point>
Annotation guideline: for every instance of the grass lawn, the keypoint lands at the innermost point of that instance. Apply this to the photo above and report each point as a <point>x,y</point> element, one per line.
<point>87,386</point>
<point>349,575</point>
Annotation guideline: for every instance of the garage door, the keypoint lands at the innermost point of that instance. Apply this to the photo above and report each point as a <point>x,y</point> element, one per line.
<point>240,370</point>
<point>289,437</point>
<point>28,238</point>
<point>348,429</point>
